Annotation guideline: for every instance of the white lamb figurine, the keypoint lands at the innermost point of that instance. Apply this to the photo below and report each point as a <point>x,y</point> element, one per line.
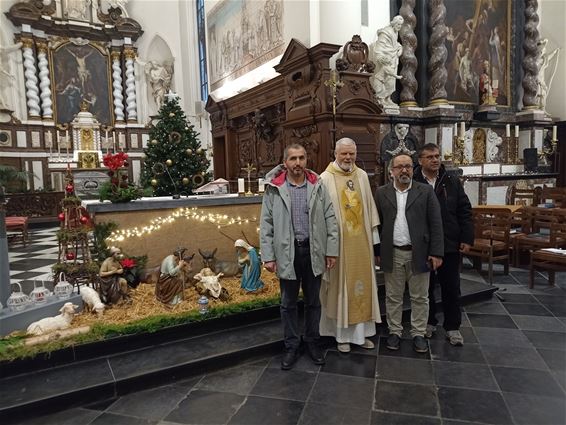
<point>91,300</point>
<point>50,324</point>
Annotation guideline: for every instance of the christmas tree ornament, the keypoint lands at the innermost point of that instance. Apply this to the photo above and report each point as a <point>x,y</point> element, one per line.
<point>175,137</point>
<point>153,182</point>
<point>154,142</point>
<point>70,255</point>
<point>143,156</point>
<point>200,151</point>
<point>171,114</point>
<point>83,220</point>
<point>69,188</point>
<point>185,181</point>
<point>189,151</point>
<point>61,216</point>
<point>169,163</point>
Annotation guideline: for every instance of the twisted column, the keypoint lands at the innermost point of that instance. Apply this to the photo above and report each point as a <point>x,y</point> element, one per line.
<point>531,53</point>
<point>32,91</point>
<point>131,106</point>
<point>408,59</point>
<point>44,81</point>
<point>437,53</point>
<point>117,87</point>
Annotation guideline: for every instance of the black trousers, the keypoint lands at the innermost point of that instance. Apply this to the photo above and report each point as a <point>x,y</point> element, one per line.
<point>289,296</point>
<point>448,277</point>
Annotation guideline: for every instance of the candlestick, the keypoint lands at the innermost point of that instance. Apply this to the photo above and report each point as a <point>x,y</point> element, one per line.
<point>507,130</point>
<point>241,186</point>
<point>554,131</point>
<point>516,131</point>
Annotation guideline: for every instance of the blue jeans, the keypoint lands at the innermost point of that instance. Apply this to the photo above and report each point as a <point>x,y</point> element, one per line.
<point>289,296</point>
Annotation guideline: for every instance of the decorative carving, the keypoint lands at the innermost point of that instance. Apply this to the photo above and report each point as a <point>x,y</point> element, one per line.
<point>32,91</point>
<point>398,141</point>
<point>531,53</point>
<point>408,59</point>
<point>160,76</point>
<point>44,81</point>
<point>261,126</point>
<point>355,57</point>
<point>117,87</point>
<point>479,146</point>
<point>543,63</point>
<point>131,106</point>
<point>437,53</point>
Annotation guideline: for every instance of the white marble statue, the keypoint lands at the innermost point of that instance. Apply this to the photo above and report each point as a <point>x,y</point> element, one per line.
<point>77,9</point>
<point>6,78</point>
<point>119,4</point>
<point>492,148</point>
<point>160,76</point>
<point>543,63</point>
<point>385,53</point>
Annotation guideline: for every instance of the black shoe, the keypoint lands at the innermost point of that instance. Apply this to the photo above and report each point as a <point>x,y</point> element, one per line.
<point>419,344</point>
<point>393,342</point>
<point>289,359</point>
<point>315,352</point>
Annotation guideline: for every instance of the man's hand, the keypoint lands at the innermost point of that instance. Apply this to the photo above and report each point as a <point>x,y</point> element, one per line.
<point>330,262</point>
<point>270,266</point>
<point>435,262</point>
<point>464,247</point>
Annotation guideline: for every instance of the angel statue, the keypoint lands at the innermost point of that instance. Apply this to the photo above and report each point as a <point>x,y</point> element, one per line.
<point>543,63</point>
<point>160,75</point>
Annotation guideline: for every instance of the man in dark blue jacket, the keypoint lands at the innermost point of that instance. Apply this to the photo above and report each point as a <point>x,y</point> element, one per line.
<point>458,237</point>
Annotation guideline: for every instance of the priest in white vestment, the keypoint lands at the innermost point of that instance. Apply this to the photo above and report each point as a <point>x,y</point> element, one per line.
<point>349,291</point>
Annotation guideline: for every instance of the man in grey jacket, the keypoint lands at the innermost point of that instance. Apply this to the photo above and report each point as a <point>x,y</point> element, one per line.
<point>412,245</point>
<point>298,241</point>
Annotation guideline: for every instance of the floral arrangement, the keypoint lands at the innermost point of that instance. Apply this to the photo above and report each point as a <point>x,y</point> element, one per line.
<point>133,269</point>
<point>118,189</point>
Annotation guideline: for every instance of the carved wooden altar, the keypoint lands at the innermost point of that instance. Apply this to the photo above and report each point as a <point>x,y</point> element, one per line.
<point>296,107</point>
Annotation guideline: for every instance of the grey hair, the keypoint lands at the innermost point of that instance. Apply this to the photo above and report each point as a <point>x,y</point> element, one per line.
<point>344,141</point>
<point>390,165</point>
<point>292,146</point>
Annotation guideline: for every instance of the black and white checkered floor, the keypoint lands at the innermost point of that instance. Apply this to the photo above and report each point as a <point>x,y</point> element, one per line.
<point>33,262</point>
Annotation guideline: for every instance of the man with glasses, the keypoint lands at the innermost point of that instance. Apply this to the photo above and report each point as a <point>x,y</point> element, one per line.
<point>411,246</point>
<point>458,229</point>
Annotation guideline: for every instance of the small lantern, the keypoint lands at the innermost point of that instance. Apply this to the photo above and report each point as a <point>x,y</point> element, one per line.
<point>39,294</point>
<point>18,300</point>
<point>203,305</point>
<point>63,289</point>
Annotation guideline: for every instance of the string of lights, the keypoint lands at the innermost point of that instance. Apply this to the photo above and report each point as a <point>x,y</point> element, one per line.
<point>220,220</point>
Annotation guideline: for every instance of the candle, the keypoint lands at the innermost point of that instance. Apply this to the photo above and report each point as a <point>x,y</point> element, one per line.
<point>106,139</point>
<point>462,129</point>
<point>554,130</point>
<point>114,141</point>
<point>67,142</point>
<point>241,186</point>
<point>261,185</point>
<point>516,131</point>
<point>58,143</point>
<point>507,130</point>
<point>455,129</point>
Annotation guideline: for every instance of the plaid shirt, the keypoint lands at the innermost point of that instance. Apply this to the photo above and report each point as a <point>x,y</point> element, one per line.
<point>299,209</point>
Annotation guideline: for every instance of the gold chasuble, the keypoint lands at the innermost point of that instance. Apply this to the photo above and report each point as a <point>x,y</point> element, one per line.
<point>350,293</point>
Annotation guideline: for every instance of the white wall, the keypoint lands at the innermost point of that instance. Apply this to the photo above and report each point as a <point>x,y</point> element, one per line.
<point>552,15</point>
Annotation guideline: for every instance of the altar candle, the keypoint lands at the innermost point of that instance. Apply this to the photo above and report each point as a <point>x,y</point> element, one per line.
<point>67,142</point>
<point>507,130</point>
<point>455,129</point>
<point>554,130</point>
<point>241,186</point>
<point>261,185</point>
<point>114,141</point>
<point>106,140</point>
<point>58,143</point>
<point>516,131</point>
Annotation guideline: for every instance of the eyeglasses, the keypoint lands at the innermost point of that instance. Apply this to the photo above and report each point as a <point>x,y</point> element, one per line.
<point>431,157</point>
<point>401,167</point>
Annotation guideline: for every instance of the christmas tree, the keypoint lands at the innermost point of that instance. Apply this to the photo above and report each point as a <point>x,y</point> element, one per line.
<point>175,163</point>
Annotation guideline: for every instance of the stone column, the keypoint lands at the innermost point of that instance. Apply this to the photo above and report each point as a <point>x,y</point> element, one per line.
<point>437,53</point>
<point>117,87</point>
<point>5,288</point>
<point>531,53</point>
<point>408,59</point>
<point>32,90</point>
<point>44,81</point>
<point>131,106</point>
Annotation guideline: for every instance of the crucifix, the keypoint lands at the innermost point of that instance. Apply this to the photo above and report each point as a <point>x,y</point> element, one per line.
<point>333,84</point>
<point>248,169</point>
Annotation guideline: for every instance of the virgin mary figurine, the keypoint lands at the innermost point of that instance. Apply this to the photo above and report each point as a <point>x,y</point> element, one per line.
<point>249,260</point>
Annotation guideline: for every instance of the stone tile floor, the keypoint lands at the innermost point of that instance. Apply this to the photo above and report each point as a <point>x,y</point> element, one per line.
<point>511,370</point>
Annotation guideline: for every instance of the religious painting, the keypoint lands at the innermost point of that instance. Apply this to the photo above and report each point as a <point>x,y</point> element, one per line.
<point>242,35</point>
<point>81,73</point>
<point>479,37</point>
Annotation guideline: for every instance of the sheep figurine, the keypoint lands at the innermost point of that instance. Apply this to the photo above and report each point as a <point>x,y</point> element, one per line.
<point>50,324</point>
<point>91,301</point>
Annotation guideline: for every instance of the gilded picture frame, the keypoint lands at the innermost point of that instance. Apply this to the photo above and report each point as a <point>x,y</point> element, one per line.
<point>81,72</point>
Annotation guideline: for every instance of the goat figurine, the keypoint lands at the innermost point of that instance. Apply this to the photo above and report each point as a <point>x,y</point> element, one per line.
<point>228,268</point>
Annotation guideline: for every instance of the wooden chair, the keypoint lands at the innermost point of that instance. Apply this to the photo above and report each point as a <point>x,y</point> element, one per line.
<point>527,197</point>
<point>18,225</point>
<point>547,231</point>
<point>555,195</point>
<point>491,243</point>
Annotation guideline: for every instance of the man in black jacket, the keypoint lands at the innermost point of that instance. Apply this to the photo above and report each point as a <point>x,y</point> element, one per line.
<point>458,237</point>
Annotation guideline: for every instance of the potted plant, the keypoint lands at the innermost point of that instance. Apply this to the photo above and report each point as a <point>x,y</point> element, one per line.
<point>118,189</point>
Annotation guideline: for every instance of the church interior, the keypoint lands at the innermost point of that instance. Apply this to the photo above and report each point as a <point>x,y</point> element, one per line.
<point>135,131</point>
